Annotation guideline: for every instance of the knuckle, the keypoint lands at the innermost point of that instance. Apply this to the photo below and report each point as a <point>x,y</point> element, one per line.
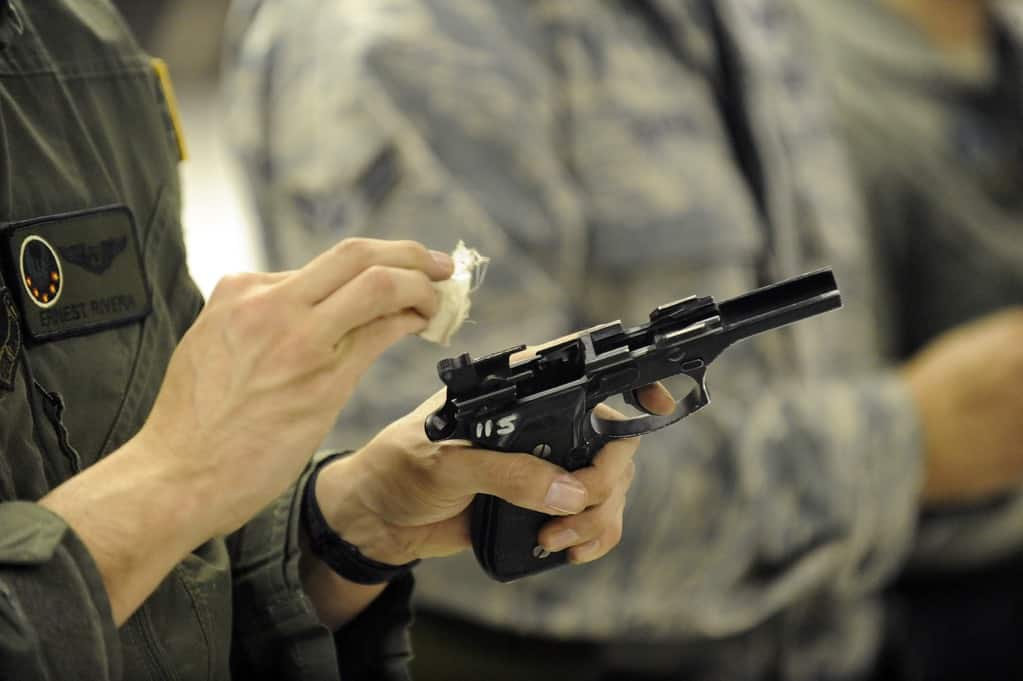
<point>381,281</point>
<point>223,289</point>
<point>355,250</point>
<point>252,312</point>
<point>418,251</point>
<point>232,285</point>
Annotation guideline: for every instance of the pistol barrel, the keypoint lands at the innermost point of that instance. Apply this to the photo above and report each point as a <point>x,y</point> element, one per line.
<point>780,304</point>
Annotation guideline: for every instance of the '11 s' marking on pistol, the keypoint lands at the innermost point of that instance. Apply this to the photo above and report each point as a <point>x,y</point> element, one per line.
<point>544,405</point>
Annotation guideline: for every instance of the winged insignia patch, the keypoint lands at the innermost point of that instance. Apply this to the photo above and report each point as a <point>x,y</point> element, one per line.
<point>95,258</point>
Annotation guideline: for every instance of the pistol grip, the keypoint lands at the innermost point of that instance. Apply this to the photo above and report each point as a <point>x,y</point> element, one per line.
<point>558,429</point>
<point>504,536</point>
<point>504,539</point>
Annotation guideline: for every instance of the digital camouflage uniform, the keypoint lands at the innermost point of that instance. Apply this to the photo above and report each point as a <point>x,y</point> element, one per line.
<point>84,124</point>
<point>937,144</point>
<point>606,158</point>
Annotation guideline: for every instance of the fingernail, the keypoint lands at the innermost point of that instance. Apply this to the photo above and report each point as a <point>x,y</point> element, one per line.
<point>566,494</point>
<point>562,539</point>
<point>443,259</point>
<point>586,552</point>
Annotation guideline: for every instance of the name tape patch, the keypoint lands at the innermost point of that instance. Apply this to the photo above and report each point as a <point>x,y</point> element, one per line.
<point>79,272</point>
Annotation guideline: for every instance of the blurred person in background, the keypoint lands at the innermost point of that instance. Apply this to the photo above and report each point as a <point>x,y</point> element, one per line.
<point>929,94</point>
<point>610,157</point>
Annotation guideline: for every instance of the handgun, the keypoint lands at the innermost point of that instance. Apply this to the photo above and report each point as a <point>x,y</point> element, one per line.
<point>544,405</point>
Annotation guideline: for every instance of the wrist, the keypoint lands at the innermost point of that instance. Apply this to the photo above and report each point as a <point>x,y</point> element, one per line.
<point>136,516</point>
<point>339,488</point>
<point>336,599</point>
<point>191,499</point>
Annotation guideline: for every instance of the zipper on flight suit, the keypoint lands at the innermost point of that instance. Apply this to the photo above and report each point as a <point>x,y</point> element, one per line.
<point>47,406</point>
<point>53,406</point>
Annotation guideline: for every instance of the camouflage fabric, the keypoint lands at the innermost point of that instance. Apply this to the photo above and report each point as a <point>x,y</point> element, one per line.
<point>938,150</point>
<point>605,157</point>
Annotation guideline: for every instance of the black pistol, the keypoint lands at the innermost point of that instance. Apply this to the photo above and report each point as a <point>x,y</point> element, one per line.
<point>544,405</point>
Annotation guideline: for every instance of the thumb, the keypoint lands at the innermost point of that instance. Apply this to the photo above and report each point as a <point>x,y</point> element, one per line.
<point>520,479</point>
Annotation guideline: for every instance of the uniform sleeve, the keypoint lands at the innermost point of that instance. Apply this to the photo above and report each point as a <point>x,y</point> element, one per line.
<point>55,619</point>
<point>277,634</point>
<point>952,538</point>
<point>781,490</point>
<point>375,646</point>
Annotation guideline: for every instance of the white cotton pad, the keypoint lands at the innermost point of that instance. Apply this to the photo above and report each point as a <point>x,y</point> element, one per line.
<point>454,295</point>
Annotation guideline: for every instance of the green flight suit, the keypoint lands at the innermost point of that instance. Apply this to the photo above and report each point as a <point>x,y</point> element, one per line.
<point>84,123</point>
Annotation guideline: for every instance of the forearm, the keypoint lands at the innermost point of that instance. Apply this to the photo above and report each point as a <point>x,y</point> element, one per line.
<point>137,516</point>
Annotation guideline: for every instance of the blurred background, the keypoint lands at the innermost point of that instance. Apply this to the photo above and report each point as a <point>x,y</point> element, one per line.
<point>187,34</point>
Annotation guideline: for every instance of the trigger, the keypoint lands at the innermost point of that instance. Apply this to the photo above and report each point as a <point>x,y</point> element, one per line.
<point>631,398</point>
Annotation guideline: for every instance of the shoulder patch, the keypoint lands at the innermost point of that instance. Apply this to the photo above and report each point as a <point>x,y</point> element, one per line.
<point>79,272</point>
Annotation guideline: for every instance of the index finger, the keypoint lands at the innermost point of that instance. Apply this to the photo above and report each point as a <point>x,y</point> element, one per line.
<point>335,267</point>
<point>656,399</point>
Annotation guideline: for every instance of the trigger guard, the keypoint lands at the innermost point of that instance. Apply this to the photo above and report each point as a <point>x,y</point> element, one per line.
<point>696,399</point>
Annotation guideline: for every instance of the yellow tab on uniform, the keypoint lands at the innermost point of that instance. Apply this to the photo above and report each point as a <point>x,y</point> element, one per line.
<point>163,76</point>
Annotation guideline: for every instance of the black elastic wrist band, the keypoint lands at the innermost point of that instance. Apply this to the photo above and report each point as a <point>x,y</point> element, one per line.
<point>343,558</point>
